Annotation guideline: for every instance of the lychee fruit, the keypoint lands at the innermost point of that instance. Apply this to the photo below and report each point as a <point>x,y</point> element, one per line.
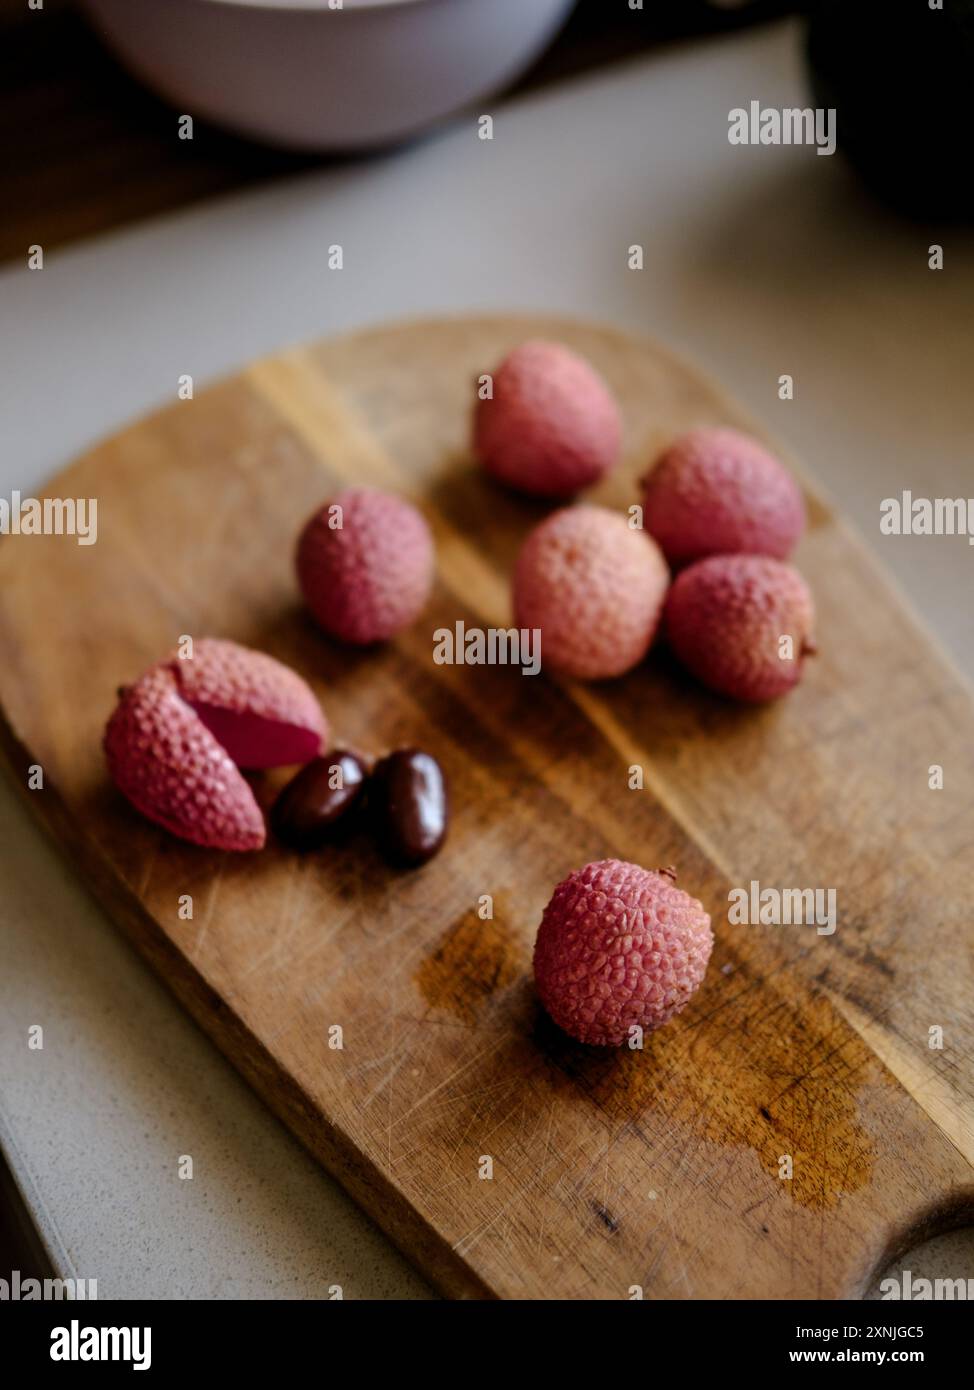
<point>260,711</point>
<point>170,766</point>
<point>619,947</point>
<point>742,624</point>
<point>595,588</point>
<point>718,492</point>
<point>178,736</point>
<point>365,565</point>
<point>551,426</point>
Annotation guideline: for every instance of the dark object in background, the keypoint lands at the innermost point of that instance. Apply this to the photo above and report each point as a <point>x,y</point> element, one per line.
<point>900,77</point>
<point>21,1248</point>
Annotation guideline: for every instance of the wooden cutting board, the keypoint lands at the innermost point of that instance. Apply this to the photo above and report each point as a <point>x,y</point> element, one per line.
<point>660,1169</point>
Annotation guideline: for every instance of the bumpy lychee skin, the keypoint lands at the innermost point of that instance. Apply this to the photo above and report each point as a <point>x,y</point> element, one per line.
<point>718,492</point>
<point>178,735</point>
<point>619,947</point>
<point>370,577</point>
<point>170,766</point>
<point>261,712</point>
<point>725,619</point>
<point>552,426</point>
<point>595,587</point>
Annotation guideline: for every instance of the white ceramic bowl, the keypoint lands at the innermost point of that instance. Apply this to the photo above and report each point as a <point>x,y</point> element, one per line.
<point>301,74</point>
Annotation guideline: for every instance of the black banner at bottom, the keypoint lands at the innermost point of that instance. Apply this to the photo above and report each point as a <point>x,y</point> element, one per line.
<point>265,1337</point>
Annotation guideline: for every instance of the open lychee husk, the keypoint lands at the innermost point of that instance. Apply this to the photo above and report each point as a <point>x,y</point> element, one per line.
<point>180,734</point>
<point>260,711</point>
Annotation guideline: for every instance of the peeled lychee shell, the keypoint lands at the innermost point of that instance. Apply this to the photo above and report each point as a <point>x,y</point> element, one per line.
<point>178,736</point>
<point>618,947</point>
<point>718,492</point>
<point>170,766</point>
<point>552,426</point>
<point>594,586</point>
<point>370,577</point>
<point>725,620</point>
<point>260,711</point>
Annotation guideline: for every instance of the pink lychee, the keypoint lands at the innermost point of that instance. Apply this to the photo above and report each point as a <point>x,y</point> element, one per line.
<point>551,426</point>
<point>727,619</point>
<point>170,766</point>
<point>365,565</point>
<point>715,492</point>
<point>619,947</point>
<point>595,588</point>
<point>178,735</point>
<point>260,711</point>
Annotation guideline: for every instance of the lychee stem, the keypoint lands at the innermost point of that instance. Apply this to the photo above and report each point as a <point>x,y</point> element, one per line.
<point>669,872</point>
<point>809,647</point>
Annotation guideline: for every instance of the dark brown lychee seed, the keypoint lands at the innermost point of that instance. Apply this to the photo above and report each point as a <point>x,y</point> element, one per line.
<point>408,806</point>
<point>319,803</point>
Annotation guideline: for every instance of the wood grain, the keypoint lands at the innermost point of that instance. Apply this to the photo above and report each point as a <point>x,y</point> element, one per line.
<point>657,1168</point>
